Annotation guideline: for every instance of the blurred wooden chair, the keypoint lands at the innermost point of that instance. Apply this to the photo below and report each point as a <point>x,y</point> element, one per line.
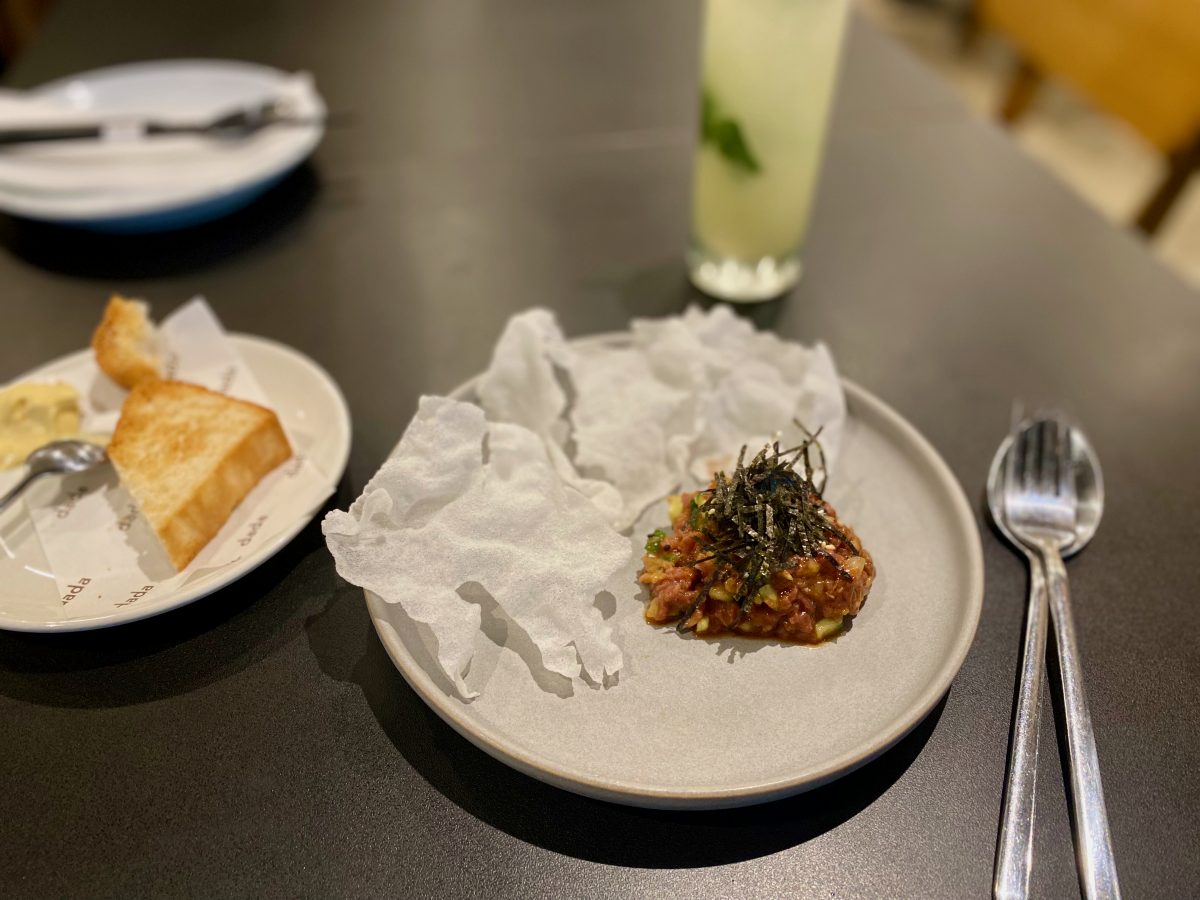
<point>1138,60</point>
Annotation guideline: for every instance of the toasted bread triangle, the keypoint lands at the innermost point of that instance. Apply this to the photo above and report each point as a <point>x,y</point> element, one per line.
<point>189,456</point>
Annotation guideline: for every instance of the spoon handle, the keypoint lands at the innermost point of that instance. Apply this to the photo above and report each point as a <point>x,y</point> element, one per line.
<point>12,495</point>
<point>1093,843</point>
<point>1014,853</point>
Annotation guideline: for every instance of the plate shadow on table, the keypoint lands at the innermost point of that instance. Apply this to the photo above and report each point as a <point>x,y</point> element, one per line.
<point>79,253</point>
<point>178,651</point>
<point>345,644</point>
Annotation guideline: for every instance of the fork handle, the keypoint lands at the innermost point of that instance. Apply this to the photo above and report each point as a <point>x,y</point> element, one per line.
<point>115,129</point>
<point>1014,852</point>
<point>1093,843</point>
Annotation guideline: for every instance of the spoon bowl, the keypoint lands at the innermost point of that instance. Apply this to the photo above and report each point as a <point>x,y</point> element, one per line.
<point>65,457</point>
<point>57,458</point>
<point>1089,491</point>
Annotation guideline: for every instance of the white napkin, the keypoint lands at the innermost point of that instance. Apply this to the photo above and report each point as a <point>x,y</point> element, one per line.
<point>19,109</point>
<point>429,522</point>
<point>101,550</point>
<point>677,404</point>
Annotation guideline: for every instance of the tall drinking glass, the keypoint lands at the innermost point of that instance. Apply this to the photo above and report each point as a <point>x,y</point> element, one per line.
<point>769,68</point>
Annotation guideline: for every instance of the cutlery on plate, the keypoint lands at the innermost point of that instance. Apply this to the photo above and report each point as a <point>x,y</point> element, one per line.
<point>237,123</point>
<point>56,458</point>
<point>1051,496</point>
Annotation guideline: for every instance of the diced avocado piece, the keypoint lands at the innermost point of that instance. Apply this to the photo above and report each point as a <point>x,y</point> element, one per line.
<point>827,627</point>
<point>675,506</point>
<point>768,595</point>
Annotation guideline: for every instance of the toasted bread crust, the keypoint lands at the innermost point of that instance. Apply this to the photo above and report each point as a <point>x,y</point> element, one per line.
<point>188,475</point>
<point>120,342</point>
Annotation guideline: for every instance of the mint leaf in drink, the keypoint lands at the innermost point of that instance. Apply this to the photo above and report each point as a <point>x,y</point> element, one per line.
<point>725,134</point>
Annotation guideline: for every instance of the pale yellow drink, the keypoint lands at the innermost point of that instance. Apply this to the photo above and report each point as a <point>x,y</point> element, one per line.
<point>769,69</point>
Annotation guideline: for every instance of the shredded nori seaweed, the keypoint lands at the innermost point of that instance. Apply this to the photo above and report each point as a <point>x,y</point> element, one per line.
<point>763,517</point>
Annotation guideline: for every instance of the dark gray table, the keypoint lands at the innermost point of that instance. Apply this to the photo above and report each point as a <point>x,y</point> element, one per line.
<point>501,155</point>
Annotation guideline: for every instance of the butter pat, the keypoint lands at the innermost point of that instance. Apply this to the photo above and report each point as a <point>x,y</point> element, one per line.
<point>33,414</point>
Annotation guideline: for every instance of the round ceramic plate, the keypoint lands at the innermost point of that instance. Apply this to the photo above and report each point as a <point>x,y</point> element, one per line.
<point>702,724</point>
<point>163,182</point>
<point>313,412</point>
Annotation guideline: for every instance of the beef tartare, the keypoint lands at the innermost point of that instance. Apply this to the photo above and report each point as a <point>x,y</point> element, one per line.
<point>759,553</point>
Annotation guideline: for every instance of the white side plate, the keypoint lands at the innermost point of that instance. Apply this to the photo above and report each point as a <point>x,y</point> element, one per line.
<point>310,407</point>
<point>81,181</point>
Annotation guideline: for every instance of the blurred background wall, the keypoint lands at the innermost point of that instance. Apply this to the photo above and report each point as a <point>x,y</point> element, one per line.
<point>19,21</point>
<point>1104,93</point>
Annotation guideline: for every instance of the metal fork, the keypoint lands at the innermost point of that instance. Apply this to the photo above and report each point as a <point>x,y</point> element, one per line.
<point>1014,849</point>
<point>1040,506</point>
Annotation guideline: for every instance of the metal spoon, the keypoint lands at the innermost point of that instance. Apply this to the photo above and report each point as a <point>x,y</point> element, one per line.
<point>1089,491</point>
<point>1013,857</point>
<point>56,458</point>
